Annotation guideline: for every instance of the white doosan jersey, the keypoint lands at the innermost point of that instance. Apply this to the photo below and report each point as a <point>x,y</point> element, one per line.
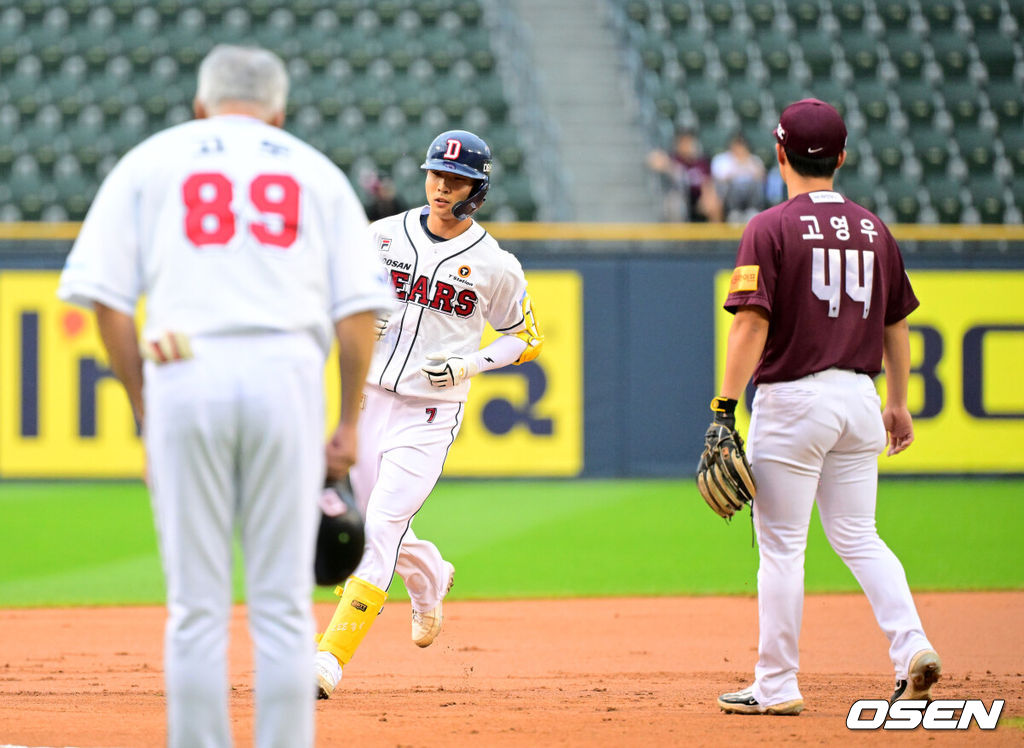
<point>448,291</point>
<point>227,225</point>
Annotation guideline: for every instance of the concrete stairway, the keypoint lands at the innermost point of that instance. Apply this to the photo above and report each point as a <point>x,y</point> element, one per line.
<point>585,94</point>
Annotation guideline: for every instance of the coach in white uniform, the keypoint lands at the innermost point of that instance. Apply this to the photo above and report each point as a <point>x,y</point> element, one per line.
<point>451,278</point>
<point>249,247</point>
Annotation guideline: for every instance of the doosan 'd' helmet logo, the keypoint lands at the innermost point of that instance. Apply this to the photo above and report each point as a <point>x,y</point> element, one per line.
<point>454,149</point>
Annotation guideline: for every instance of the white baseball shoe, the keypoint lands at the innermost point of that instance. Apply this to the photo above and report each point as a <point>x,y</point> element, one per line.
<point>328,674</point>
<point>925,669</point>
<point>743,702</point>
<point>426,626</point>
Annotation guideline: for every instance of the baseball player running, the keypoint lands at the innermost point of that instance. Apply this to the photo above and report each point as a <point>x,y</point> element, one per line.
<point>820,299</point>
<point>450,277</point>
<point>252,252</point>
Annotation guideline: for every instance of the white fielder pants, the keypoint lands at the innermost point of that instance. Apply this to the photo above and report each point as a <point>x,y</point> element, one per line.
<point>234,439</point>
<point>818,439</point>
<point>403,443</point>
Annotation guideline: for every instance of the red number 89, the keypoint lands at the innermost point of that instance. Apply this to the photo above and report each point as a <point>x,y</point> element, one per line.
<point>210,220</point>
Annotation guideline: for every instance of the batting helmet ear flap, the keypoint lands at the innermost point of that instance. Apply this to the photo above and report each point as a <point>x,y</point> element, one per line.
<point>465,208</point>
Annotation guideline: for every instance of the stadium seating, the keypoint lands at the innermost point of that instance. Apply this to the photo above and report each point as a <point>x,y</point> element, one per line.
<point>932,92</point>
<point>372,82</point>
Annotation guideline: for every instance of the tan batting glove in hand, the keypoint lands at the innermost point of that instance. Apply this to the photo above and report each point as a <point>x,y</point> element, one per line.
<point>446,370</point>
<point>381,327</point>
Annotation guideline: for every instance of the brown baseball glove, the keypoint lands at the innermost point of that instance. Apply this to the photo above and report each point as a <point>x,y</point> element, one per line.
<point>724,477</point>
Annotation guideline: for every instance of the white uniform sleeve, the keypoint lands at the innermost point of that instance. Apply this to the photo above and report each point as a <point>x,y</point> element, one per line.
<point>359,281</point>
<point>104,263</point>
<point>505,313</point>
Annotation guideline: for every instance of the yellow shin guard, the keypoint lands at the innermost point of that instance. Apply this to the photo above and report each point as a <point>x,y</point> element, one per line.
<point>358,609</point>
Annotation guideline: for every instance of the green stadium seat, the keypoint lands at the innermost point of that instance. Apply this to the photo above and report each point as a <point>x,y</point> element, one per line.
<point>734,53</point>
<point>805,13</point>
<point>760,12</point>
<point>951,53</point>
<point>906,49</point>
<point>963,101</point>
<point>849,13</point>
<point>896,14</point>
<point>996,51</point>
<point>678,12</point>
<point>984,14</point>
<point>946,198</point>
<point>932,150</point>
<point>917,101</point>
<point>775,52</point>
<point>873,100</point>
<point>469,12</point>
<point>818,54</point>
<point>746,101</point>
<point>976,149</point>
<point>704,97</point>
<point>1013,145</point>
<point>902,196</point>
<point>857,188</point>
<point>887,147</point>
<point>638,11</point>
<point>1006,99</point>
<point>940,14</point>
<point>690,51</point>
<point>989,198</point>
<point>861,51</point>
<point>719,13</point>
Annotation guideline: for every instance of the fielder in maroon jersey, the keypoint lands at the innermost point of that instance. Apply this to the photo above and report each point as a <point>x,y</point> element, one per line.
<point>820,299</point>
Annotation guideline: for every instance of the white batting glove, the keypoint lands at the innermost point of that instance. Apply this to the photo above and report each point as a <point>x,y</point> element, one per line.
<point>381,327</point>
<point>446,370</point>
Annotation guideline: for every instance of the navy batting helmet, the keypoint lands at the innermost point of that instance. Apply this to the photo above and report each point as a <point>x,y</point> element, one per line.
<point>461,152</point>
<point>341,537</point>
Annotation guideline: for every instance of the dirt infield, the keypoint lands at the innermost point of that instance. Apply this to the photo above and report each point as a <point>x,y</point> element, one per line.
<point>617,672</point>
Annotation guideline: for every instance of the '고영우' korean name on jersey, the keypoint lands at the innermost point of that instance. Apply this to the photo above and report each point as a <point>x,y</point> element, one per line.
<point>445,298</point>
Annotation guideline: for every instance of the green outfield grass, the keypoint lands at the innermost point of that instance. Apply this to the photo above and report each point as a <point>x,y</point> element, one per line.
<point>93,543</point>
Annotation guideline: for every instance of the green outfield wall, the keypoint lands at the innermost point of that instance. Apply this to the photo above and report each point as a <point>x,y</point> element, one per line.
<point>634,346</point>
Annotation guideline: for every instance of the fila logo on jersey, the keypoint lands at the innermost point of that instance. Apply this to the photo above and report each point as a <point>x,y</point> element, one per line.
<point>385,244</point>
<point>446,298</point>
<point>454,149</point>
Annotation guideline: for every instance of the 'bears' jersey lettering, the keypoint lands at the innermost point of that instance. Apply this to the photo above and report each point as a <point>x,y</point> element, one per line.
<point>444,298</point>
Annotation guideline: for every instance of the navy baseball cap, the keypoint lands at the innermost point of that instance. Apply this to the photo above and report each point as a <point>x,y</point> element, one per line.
<point>812,129</point>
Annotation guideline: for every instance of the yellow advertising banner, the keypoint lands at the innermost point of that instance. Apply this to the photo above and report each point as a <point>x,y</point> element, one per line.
<point>967,355</point>
<point>64,415</point>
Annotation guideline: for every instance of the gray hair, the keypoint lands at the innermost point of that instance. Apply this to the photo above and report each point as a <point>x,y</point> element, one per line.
<point>235,73</point>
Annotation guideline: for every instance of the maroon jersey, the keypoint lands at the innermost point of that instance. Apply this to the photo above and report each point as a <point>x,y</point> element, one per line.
<point>831,277</point>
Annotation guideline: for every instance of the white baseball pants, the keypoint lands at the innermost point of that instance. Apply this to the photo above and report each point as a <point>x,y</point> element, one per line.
<point>403,443</point>
<point>234,439</point>
<point>818,439</point>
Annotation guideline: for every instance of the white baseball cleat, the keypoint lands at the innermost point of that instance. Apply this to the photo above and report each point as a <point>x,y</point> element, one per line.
<point>925,669</point>
<point>743,702</point>
<point>426,626</point>
<point>328,674</point>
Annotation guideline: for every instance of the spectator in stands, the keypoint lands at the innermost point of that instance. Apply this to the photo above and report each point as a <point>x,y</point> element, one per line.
<point>383,196</point>
<point>689,193</point>
<point>739,179</point>
<point>774,188</point>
